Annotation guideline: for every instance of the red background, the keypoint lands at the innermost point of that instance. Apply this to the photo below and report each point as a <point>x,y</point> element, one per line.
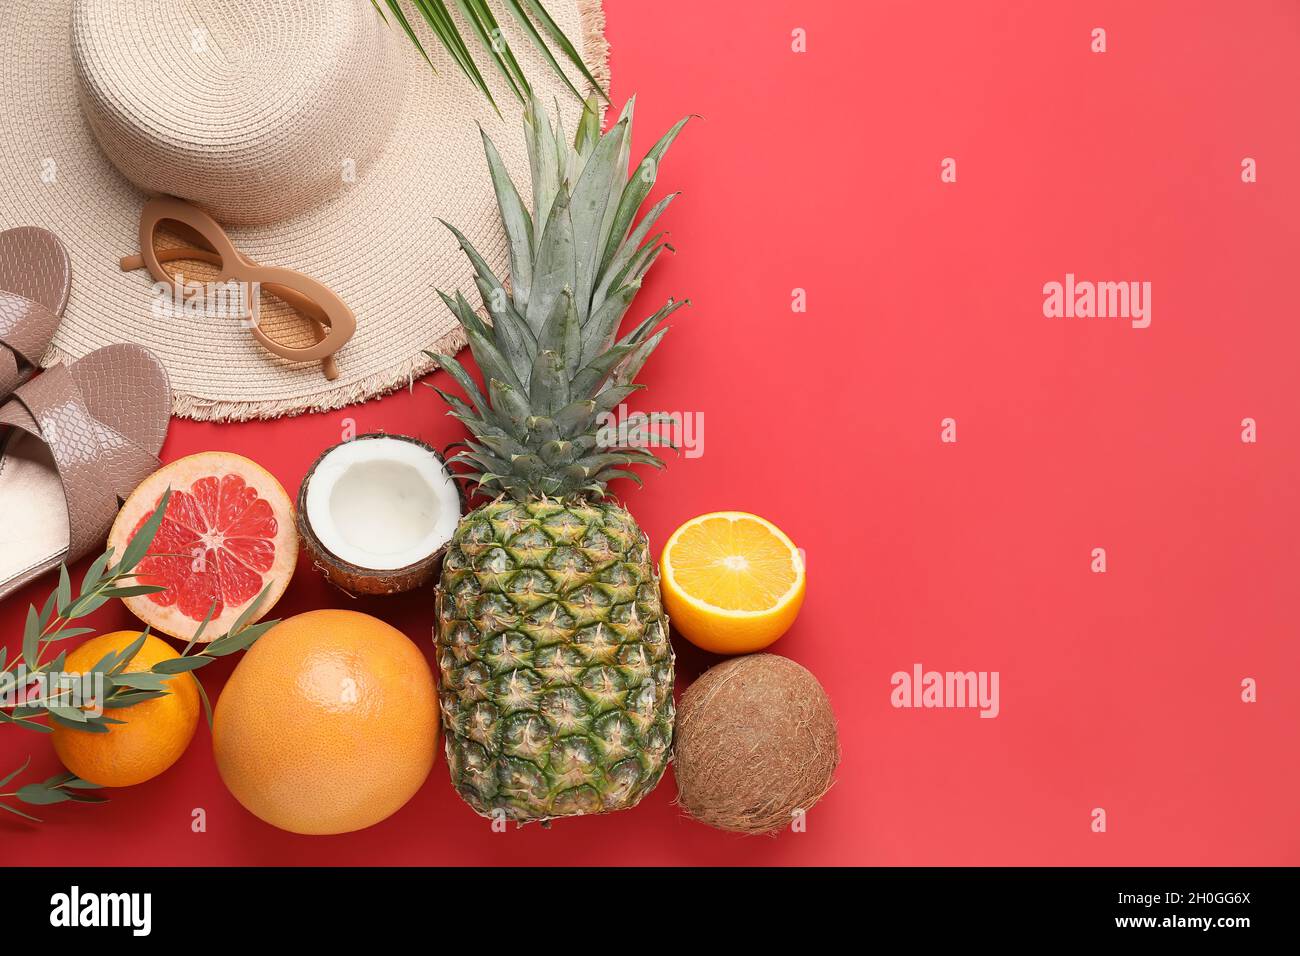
<point>820,171</point>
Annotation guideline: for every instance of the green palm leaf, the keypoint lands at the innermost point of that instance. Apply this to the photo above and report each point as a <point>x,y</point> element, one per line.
<point>491,40</point>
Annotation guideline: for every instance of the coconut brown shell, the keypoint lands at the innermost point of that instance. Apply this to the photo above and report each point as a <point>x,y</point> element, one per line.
<point>349,578</point>
<point>756,740</point>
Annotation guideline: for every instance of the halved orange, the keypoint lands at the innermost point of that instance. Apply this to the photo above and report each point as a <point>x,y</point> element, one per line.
<point>732,582</point>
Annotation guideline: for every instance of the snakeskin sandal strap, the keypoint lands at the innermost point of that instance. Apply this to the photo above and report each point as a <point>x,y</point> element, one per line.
<point>75,439</point>
<point>96,463</point>
<point>35,282</point>
<point>26,328</point>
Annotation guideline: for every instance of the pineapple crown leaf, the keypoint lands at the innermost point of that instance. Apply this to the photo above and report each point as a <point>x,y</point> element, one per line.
<point>551,357</point>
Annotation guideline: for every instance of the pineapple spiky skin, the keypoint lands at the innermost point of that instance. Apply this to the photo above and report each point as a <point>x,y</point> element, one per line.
<point>556,672</point>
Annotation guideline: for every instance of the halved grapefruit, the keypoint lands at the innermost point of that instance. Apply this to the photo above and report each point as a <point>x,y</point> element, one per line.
<point>228,534</point>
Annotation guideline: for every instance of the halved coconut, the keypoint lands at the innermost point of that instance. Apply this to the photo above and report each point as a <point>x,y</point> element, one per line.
<point>376,513</point>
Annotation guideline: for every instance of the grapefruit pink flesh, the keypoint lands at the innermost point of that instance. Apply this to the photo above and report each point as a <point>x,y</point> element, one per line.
<point>212,548</point>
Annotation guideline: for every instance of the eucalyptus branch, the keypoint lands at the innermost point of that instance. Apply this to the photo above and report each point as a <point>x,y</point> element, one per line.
<point>60,788</point>
<point>85,702</point>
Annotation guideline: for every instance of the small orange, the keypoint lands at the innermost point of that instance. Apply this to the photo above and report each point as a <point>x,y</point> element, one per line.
<point>329,724</point>
<point>156,731</point>
<point>732,582</point>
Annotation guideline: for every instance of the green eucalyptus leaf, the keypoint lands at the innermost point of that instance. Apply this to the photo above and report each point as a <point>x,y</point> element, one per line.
<point>181,665</point>
<point>105,664</point>
<point>26,763</point>
<point>140,680</point>
<point>80,796</point>
<point>83,725</point>
<point>26,725</point>
<point>38,795</point>
<point>132,590</point>
<point>18,813</point>
<point>207,704</point>
<point>95,573</point>
<point>91,604</point>
<point>127,654</point>
<point>32,638</point>
<point>63,593</point>
<point>104,719</point>
<point>68,713</point>
<point>246,615</point>
<point>66,633</point>
<point>47,610</point>
<point>139,545</point>
<point>60,662</point>
<point>203,625</point>
<point>131,698</point>
<point>240,640</point>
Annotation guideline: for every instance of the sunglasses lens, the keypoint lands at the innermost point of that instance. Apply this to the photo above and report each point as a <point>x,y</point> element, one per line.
<point>172,234</point>
<point>289,318</point>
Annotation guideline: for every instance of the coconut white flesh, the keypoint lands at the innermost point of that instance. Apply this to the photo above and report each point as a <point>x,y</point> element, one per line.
<point>382,503</point>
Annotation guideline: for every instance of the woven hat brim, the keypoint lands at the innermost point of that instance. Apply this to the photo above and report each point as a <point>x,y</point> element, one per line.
<point>377,243</point>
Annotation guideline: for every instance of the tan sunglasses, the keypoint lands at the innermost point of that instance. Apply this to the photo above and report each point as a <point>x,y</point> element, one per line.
<point>332,321</point>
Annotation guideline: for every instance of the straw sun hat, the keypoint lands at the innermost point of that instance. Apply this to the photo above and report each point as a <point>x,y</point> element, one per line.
<point>310,129</point>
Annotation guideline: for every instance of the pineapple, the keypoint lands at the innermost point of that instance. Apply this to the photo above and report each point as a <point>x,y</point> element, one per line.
<point>555,668</point>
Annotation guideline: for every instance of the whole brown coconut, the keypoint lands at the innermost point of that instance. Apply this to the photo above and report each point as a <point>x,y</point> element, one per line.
<point>755,741</point>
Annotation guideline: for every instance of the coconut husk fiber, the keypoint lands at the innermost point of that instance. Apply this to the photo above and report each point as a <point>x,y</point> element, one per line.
<point>756,740</point>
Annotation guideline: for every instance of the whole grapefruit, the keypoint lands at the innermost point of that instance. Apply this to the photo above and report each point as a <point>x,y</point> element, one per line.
<point>155,733</point>
<point>329,724</point>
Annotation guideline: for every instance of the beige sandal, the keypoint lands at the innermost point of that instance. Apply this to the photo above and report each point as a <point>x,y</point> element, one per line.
<point>79,438</point>
<point>35,279</point>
